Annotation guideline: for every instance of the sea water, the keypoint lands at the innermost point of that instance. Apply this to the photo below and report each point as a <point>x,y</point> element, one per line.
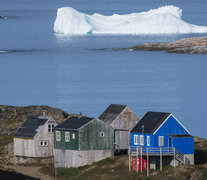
<point>87,73</point>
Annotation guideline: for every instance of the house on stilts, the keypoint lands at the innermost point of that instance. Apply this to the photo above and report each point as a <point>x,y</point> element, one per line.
<point>80,141</point>
<point>159,139</point>
<point>122,119</point>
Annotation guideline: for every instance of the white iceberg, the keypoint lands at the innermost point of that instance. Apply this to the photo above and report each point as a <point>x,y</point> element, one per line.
<point>164,20</point>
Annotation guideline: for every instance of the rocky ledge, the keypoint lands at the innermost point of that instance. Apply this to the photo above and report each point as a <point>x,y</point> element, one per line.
<point>195,45</point>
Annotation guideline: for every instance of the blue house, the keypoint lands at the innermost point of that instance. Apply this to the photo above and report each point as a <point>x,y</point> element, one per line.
<point>161,133</point>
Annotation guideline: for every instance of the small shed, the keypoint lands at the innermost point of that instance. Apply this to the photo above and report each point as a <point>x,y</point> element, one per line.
<point>122,119</point>
<point>81,141</point>
<point>161,133</point>
<point>35,137</point>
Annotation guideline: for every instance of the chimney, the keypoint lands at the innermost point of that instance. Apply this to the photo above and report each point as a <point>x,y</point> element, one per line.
<point>80,115</point>
<point>44,113</point>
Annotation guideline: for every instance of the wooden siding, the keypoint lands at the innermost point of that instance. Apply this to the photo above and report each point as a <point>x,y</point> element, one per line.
<point>73,144</point>
<point>72,158</point>
<point>121,139</point>
<point>90,136</point>
<point>19,149</point>
<point>45,136</point>
<point>34,149</point>
<point>126,120</point>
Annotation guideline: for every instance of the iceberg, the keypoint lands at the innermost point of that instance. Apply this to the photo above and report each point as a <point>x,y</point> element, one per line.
<point>163,20</point>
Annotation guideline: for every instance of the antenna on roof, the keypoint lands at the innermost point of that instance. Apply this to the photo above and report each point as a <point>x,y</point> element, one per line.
<point>142,129</point>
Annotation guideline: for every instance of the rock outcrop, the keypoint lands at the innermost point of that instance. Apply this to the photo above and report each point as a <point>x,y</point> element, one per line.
<point>195,45</point>
<point>11,117</point>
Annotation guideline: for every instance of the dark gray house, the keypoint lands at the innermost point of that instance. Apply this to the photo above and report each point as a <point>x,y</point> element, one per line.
<point>81,141</point>
<point>122,119</point>
<point>35,137</point>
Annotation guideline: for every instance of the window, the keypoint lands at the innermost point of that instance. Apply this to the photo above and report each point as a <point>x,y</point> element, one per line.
<point>141,140</point>
<point>53,127</point>
<point>25,144</point>
<point>58,137</point>
<point>43,143</point>
<point>50,128</point>
<point>136,139</point>
<point>73,135</point>
<point>161,140</point>
<point>67,136</point>
<point>101,134</point>
<point>148,140</point>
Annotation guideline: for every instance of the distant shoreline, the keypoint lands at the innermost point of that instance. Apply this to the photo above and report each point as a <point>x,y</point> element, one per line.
<point>195,45</point>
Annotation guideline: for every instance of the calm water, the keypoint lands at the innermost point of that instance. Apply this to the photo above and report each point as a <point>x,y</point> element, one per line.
<point>87,73</point>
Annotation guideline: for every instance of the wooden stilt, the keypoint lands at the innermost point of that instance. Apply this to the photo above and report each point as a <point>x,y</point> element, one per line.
<point>129,159</point>
<point>160,159</point>
<point>174,158</point>
<point>141,159</point>
<point>137,159</point>
<point>147,162</point>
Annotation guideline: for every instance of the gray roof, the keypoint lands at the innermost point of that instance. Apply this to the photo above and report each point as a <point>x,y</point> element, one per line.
<point>151,121</point>
<point>111,113</point>
<point>73,123</point>
<point>31,126</point>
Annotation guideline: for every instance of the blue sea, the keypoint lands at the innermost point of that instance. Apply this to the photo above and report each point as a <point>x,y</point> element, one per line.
<point>87,73</point>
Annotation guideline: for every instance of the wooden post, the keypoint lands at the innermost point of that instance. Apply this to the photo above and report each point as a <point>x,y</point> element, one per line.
<point>137,158</point>
<point>141,159</point>
<point>174,158</point>
<point>160,159</point>
<point>129,159</point>
<point>147,162</point>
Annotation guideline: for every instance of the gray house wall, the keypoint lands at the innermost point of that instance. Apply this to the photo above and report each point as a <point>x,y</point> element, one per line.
<point>72,158</point>
<point>121,139</point>
<point>126,120</point>
<point>34,149</point>
<point>19,149</point>
<point>44,135</point>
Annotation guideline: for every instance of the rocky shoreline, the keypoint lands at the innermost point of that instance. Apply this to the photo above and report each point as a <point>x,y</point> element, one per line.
<point>195,45</point>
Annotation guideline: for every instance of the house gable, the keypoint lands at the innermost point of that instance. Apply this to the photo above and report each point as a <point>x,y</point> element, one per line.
<point>96,135</point>
<point>171,126</point>
<point>125,120</point>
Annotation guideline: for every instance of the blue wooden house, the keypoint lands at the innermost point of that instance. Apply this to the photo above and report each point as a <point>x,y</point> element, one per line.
<point>161,133</point>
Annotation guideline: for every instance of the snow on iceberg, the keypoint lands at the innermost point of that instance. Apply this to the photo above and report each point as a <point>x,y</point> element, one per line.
<point>164,20</point>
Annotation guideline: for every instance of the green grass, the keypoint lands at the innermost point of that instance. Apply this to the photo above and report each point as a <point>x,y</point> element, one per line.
<point>204,174</point>
<point>5,139</point>
<point>61,172</point>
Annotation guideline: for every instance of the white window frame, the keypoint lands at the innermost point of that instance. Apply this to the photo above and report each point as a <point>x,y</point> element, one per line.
<point>67,136</point>
<point>161,140</point>
<point>148,140</point>
<point>58,136</point>
<point>136,139</point>
<point>73,135</point>
<point>141,139</point>
<point>101,134</point>
<point>49,127</point>
<point>43,143</point>
<point>25,144</point>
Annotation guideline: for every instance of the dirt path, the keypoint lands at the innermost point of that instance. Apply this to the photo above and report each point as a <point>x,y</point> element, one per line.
<point>32,171</point>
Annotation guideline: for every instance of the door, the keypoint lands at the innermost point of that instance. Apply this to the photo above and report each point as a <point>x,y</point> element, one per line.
<point>169,143</point>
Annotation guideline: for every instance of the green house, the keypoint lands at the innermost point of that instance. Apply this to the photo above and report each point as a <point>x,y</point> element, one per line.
<point>80,141</point>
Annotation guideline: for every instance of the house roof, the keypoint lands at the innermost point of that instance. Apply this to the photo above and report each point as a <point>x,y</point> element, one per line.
<point>180,135</point>
<point>73,123</point>
<point>31,126</point>
<point>151,121</point>
<point>111,113</point>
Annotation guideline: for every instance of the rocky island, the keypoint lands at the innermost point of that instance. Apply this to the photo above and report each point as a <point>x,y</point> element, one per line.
<point>195,45</point>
